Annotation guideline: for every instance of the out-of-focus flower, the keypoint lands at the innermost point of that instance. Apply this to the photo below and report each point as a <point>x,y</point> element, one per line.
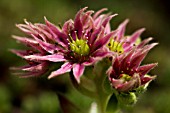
<point>126,74</point>
<point>34,67</point>
<point>79,43</point>
<point>121,43</point>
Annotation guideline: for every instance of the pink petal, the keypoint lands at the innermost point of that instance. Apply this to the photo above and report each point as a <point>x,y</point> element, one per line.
<point>95,35</point>
<point>99,12</point>
<point>68,26</point>
<point>116,82</point>
<point>66,67</point>
<point>86,18</point>
<point>34,68</point>
<point>147,79</point>
<point>20,53</point>
<point>144,42</point>
<point>121,30</point>
<point>78,70</point>
<point>136,35</point>
<point>78,26</point>
<point>58,35</point>
<point>103,40</point>
<point>52,58</point>
<point>106,21</point>
<point>31,73</point>
<point>91,61</point>
<point>142,70</point>
<point>29,42</point>
<point>51,48</point>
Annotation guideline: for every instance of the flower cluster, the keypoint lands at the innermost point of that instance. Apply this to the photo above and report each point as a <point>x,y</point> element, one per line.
<point>82,42</point>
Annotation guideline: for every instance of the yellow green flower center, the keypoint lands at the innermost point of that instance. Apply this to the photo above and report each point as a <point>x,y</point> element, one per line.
<point>115,46</point>
<point>125,77</point>
<point>79,46</point>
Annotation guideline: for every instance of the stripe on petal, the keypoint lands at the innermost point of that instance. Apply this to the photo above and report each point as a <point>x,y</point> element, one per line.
<point>66,67</point>
<point>78,70</point>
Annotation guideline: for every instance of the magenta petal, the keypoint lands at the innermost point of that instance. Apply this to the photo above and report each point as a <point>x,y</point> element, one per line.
<point>116,82</point>
<point>142,70</point>
<point>136,35</point>
<point>87,18</point>
<point>68,26</point>
<point>103,40</point>
<point>101,53</point>
<point>147,79</point>
<point>26,28</point>
<point>78,26</point>
<point>51,48</point>
<point>20,53</point>
<point>137,59</point>
<point>116,67</point>
<point>34,68</point>
<point>66,67</point>
<point>29,42</point>
<point>91,61</point>
<point>121,30</point>
<point>31,74</point>
<point>52,58</point>
<point>59,36</point>
<point>95,35</point>
<point>105,22</point>
<point>99,12</point>
<point>78,70</point>
<point>129,85</point>
<point>126,60</point>
<point>144,42</point>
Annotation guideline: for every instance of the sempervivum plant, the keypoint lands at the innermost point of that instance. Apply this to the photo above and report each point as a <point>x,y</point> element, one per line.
<point>89,41</point>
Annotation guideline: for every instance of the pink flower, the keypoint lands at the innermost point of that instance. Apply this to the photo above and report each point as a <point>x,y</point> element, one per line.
<point>126,74</point>
<point>121,43</point>
<point>79,43</point>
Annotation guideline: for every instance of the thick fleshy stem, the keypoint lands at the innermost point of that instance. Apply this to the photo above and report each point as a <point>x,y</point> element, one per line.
<point>94,84</point>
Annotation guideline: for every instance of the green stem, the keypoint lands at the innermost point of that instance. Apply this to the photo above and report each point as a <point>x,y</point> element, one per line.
<point>102,103</point>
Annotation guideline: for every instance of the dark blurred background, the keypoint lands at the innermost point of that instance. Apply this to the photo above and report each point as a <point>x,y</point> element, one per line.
<point>38,95</point>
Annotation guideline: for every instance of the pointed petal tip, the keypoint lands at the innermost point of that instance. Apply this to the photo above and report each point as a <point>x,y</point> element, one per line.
<point>125,21</point>
<point>52,75</point>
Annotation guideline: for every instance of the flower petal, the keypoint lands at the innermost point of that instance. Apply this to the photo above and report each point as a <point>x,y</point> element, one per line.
<point>29,42</point>
<point>60,37</point>
<point>50,48</point>
<point>136,35</point>
<point>78,26</point>
<point>144,42</point>
<point>32,68</point>
<point>52,58</point>
<point>66,67</point>
<point>78,70</point>
<point>142,70</point>
<point>121,30</point>
<point>103,40</point>
<point>99,12</point>
<point>106,21</point>
<point>147,79</point>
